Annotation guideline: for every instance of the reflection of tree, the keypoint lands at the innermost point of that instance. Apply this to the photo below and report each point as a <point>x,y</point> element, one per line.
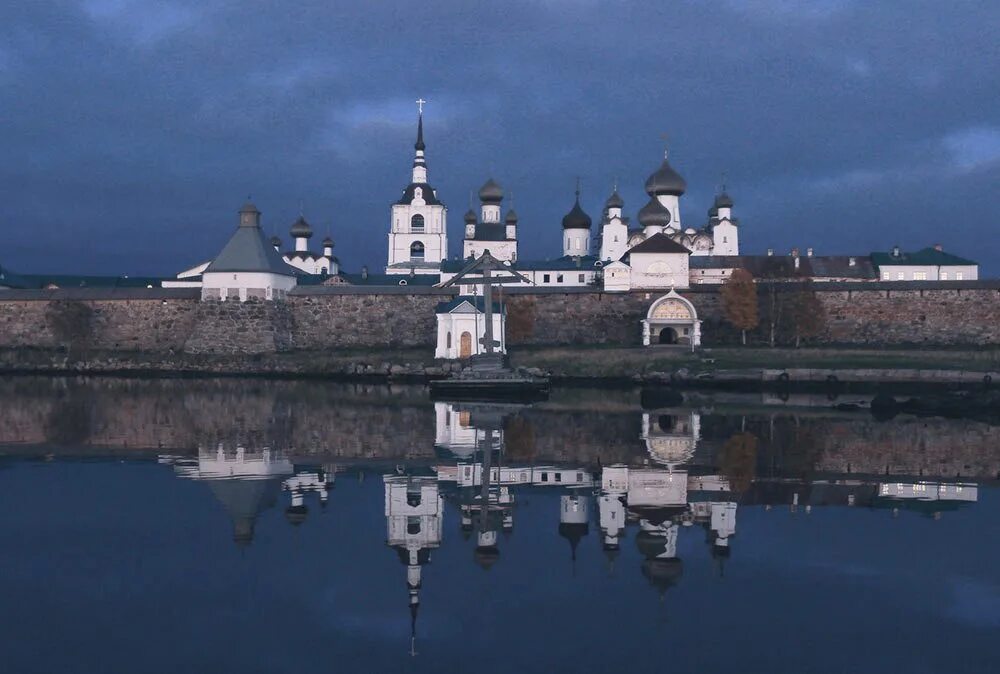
<point>519,439</point>
<point>69,421</point>
<point>738,461</point>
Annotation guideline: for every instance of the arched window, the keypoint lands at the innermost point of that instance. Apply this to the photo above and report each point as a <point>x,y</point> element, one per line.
<point>417,223</point>
<point>417,251</point>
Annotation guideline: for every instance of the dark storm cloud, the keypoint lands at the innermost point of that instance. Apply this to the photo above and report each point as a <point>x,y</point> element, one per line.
<point>131,130</point>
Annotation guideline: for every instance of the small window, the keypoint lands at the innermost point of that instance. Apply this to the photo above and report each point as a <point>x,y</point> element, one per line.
<point>417,251</point>
<point>944,276</point>
<point>558,477</point>
<point>900,276</point>
<point>959,276</point>
<point>559,278</point>
<point>885,276</point>
<point>581,278</point>
<point>546,278</point>
<point>448,340</point>
<point>545,477</point>
<point>417,223</point>
<point>579,477</point>
<point>725,240</point>
<point>919,276</point>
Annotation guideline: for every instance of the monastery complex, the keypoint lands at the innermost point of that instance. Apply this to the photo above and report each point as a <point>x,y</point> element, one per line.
<point>655,257</point>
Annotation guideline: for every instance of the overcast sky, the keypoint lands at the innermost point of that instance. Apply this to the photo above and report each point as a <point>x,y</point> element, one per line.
<point>131,131</point>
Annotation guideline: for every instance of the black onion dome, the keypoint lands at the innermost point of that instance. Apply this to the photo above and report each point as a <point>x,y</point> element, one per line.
<point>470,217</point>
<point>328,242</point>
<point>301,229</point>
<point>276,242</point>
<point>654,214</point>
<point>511,218</point>
<point>491,192</point>
<point>666,181</point>
<point>723,201</point>
<point>615,200</point>
<point>576,218</point>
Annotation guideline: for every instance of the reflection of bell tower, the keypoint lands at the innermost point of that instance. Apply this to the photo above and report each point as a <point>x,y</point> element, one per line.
<point>414,511</point>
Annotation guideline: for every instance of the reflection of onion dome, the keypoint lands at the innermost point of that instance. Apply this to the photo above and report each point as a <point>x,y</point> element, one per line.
<point>491,192</point>
<point>723,201</point>
<point>486,556</point>
<point>615,200</point>
<point>296,515</point>
<point>665,181</point>
<point>654,214</point>
<point>301,229</point>
<point>573,532</point>
<point>663,573</point>
<point>470,217</point>
<point>511,218</point>
<point>576,218</point>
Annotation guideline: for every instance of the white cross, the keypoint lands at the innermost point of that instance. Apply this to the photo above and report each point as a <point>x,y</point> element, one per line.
<point>420,105</point>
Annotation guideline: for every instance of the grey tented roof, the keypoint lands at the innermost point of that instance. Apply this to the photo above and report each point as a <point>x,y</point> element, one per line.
<point>247,251</point>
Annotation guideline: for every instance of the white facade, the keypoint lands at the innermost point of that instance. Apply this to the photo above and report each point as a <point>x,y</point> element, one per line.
<point>462,327</point>
<point>928,272</point>
<point>672,319</point>
<point>659,270</point>
<point>576,242</point>
<point>242,286</point>
<point>614,236</point>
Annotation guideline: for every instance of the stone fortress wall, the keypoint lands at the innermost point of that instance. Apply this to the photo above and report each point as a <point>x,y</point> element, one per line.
<point>175,321</point>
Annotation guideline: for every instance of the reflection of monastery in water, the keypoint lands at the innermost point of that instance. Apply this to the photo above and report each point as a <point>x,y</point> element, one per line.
<point>249,481</point>
<point>659,500</point>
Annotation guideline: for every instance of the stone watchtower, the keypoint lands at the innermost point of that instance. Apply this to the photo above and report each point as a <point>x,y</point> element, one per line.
<point>248,266</point>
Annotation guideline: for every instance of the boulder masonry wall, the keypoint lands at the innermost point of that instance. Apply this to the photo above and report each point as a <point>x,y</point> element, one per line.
<point>170,321</point>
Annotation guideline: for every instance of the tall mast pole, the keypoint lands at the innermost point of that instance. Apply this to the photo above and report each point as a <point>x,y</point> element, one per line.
<point>488,312</point>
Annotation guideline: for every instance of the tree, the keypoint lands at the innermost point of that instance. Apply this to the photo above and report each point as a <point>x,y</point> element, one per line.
<point>739,302</point>
<point>808,316</point>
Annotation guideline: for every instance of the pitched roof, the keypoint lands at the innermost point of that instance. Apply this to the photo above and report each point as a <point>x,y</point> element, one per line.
<point>659,243</point>
<point>783,266</point>
<point>565,263</point>
<point>248,251</point>
<point>927,256</point>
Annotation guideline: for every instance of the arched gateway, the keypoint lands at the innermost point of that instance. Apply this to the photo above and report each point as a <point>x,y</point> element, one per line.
<point>671,320</point>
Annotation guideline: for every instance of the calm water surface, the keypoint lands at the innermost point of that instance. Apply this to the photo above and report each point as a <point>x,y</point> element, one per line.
<point>233,526</point>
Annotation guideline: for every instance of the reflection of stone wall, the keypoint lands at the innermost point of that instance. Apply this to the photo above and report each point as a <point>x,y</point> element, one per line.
<point>364,422</point>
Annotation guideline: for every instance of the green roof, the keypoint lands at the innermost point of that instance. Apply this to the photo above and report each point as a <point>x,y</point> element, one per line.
<point>927,256</point>
<point>248,251</point>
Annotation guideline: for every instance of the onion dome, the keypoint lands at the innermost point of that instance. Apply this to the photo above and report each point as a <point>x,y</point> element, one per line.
<point>491,192</point>
<point>615,200</point>
<point>654,214</point>
<point>723,201</point>
<point>470,217</point>
<point>576,218</point>
<point>713,212</point>
<point>275,242</point>
<point>301,229</point>
<point>665,181</point>
<point>511,218</point>
<point>248,207</point>
<point>328,242</point>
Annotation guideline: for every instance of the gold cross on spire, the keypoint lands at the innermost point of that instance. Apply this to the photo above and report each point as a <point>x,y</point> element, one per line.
<point>420,105</point>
